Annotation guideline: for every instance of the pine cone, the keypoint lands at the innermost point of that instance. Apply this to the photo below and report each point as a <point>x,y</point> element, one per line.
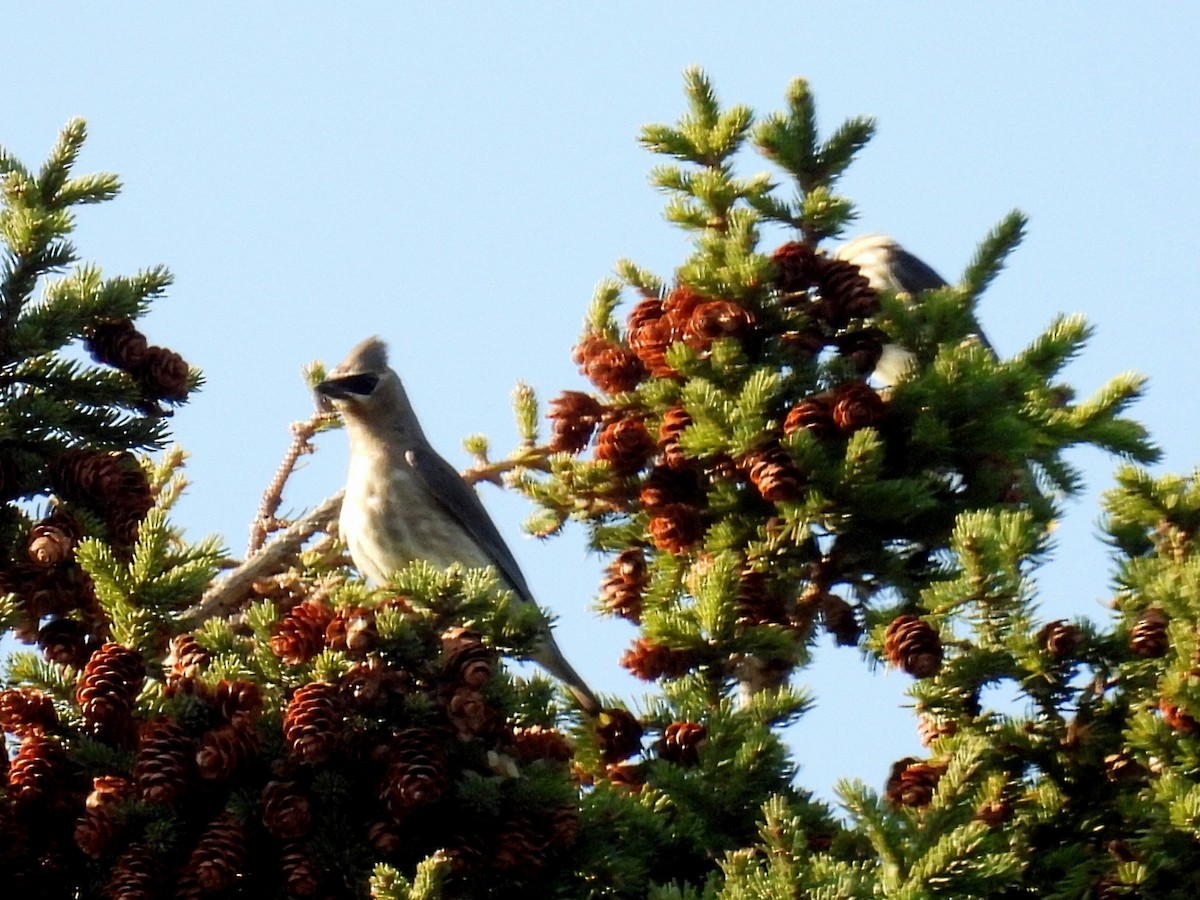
<point>864,349</point>
<point>224,751</point>
<point>625,580</point>
<point>618,734</point>
<point>1149,638</point>
<point>165,767</point>
<point>417,775</point>
<point>845,294</point>
<point>627,775</point>
<point>715,320</point>
<point>470,715</point>
<point>187,658</point>
<point>575,416</point>
<point>466,659</point>
<point>52,541</point>
<point>759,600</point>
<point>136,875</point>
<point>163,375</point>
<point>118,344</point>
<point>994,813</point>
<point>534,742</point>
<point>371,684</point>
<point>301,875</point>
<point>221,855</point>
<point>1061,639</point>
<point>795,267</point>
<point>300,635</point>
<point>675,421</point>
<point>650,661</point>
<point>66,642</point>
<point>840,620</point>
<point>857,405</point>
<point>625,445</point>
<point>352,630</point>
<point>521,848</point>
<point>310,723</point>
<point>100,821</point>
<point>92,477</point>
<point>286,812</point>
<point>650,333</point>
<point>771,471</point>
<point>237,701</point>
<point>666,485</point>
<point>678,306</point>
<point>680,743</point>
<point>913,645</point>
<point>26,711</point>
<point>913,782</point>
<point>611,368</point>
<point>1177,717</point>
<point>107,689</point>
<point>814,414</point>
<point>676,527</point>
<point>930,728</point>
<point>37,768</point>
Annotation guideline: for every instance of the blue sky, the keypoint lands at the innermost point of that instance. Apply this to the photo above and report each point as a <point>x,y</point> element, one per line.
<point>457,177</point>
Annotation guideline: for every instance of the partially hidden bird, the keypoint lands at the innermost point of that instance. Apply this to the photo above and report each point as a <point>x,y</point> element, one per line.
<point>888,267</point>
<point>404,502</point>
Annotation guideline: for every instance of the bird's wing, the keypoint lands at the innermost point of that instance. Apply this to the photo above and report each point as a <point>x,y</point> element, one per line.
<point>913,273</point>
<point>459,499</point>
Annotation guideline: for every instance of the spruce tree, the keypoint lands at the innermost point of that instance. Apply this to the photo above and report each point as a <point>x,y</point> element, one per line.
<point>282,730</point>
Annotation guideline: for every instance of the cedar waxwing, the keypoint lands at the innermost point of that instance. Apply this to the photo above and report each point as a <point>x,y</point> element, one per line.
<point>404,502</point>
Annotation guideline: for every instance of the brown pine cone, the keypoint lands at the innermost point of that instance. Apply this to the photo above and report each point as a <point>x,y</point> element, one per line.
<point>575,416</point>
<point>25,711</point>
<point>930,728</point>
<point>1149,638</point>
<point>715,320</point>
<point>611,368</point>
<point>840,620</point>
<point>521,847</point>
<point>237,701</point>
<point>674,421</point>
<point>186,659</point>
<point>534,742</point>
<point>470,715</point>
<point>286,812</point>
<point>37,769</point>
<point>627,775</point>
<point>163,375</point>
<point>626,445</point>
<point>52,541</point>
<point>649,661</point>
<point>913,645</point>
<point>759,600</point>
<point>857,405</point>
<point>222,752</point>
<point>417,775</point>
<point>676,527</point>
<point>618,734</point>
<point>772,472</point>
<point>680,743</point>
<point>221,855</point>
<point>845,294</point>
<point>1120,767</point>
<point>1177,717</point>
<point>67,642</point>
<point>371,684</point>
<point>117,343</point>
<point>814,414</point>
<point>1061,639</point>
<point>466,659</point>
<point>166,761</point>
<point>863,348</point>
<point>107,689</point>
<point>666,485</point>
<point>101,821</point>
<point>795,267</point>
<point>352,630</point>
<point>136,875</point>
<point>994,813</point>
<point>89,476</point>
<point>912,782</point>
<point>301,875</point>
<point>310,723</point>
<point>625,581</point>
<point>678,306</point>
<point>650,333</point>
<point>300,635</point>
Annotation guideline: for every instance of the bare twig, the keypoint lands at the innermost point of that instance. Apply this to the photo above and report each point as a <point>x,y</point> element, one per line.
<point>265,521</point>
<point>527,456</point>
<point>226,595</point>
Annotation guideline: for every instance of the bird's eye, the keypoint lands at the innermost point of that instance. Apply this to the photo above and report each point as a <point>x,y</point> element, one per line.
<point>362,385</point>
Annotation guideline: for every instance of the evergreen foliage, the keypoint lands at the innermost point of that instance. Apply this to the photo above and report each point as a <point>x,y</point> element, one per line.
<point>754,487</point>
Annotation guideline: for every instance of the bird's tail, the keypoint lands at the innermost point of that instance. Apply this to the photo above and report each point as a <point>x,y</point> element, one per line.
<point>550,657</point>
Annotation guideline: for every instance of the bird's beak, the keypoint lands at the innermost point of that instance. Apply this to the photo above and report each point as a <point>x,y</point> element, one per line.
<point>347,386</point>
<point>332,389</point>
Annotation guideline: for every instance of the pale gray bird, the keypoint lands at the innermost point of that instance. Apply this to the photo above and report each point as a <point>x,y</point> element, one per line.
<point>890,268</point>
<point>404,502</point>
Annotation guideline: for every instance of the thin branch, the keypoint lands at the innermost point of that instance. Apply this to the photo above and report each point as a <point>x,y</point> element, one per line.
<point>265,521</point>
<point>524,457</point>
